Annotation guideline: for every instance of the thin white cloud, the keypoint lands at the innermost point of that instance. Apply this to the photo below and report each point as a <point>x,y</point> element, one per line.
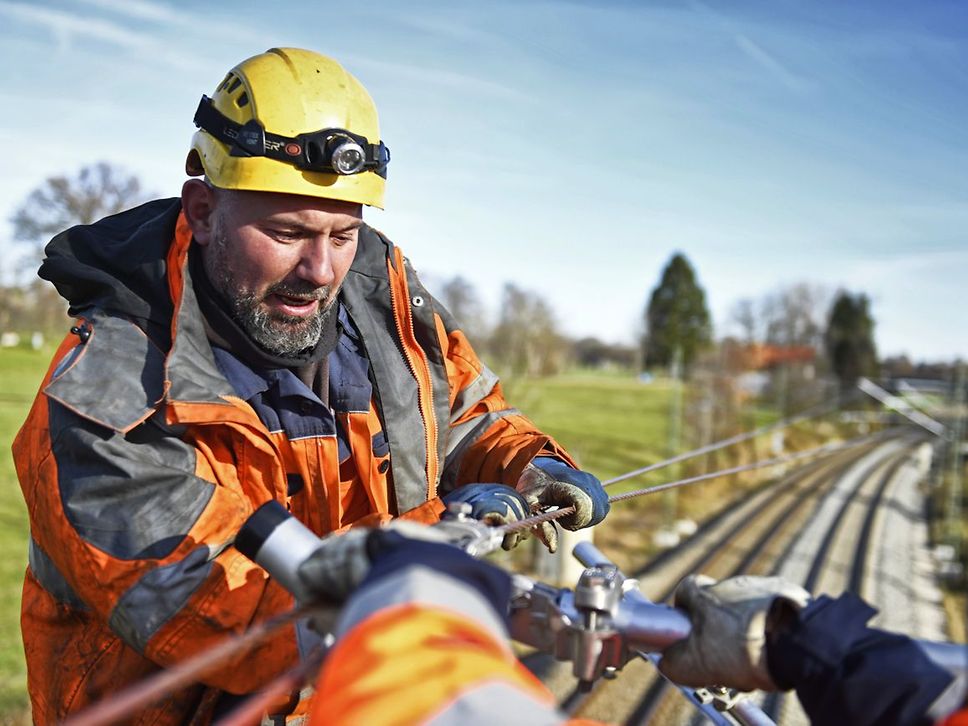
<point>65,26</point>
<point>165,14</point>
<point>769,62</point>
<point>751,49</point>
<point>435,76</point>
<point>141,10</point>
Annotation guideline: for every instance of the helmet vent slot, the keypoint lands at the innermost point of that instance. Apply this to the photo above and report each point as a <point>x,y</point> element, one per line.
<point>242,100</point>
<point>235,84</point>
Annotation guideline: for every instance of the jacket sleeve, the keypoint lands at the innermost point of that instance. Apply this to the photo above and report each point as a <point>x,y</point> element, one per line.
<point>423,639</point>
<point>846,672</point>
<point>131,524</point>
<point>488,439</point>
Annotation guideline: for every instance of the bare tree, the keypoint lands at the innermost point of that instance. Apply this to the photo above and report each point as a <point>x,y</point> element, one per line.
<point>62,201</point>
<point>58,203</point>
<point>526,340</point>
<point>743,316</point>
<point>795,315</point>
<point>794,318</point>
<point>460,297</point>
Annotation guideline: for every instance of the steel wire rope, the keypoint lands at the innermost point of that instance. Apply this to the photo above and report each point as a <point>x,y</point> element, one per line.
<point>139,695</point>
<point>820,409</point>
<point>552,515</point>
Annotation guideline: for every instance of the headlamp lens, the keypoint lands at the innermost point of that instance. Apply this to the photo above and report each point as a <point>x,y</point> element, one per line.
<point>348,158</point>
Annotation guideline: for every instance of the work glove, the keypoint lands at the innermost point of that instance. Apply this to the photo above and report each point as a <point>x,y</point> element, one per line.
<point>730,623</point>
<point>494,504</point>
<point>337,567</point>
<point>547,482</point>
<point>342,561</point>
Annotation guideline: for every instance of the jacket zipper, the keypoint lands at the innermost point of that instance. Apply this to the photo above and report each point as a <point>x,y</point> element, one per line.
<point>421,384</point>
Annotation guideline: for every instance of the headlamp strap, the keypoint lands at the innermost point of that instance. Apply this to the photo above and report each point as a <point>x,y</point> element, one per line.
<point>251,139</point>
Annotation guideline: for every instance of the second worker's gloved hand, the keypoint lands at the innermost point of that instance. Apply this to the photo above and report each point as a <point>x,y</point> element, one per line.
<point>727,645</point>
<point>342,561</point>
<point>337,567</point>
<point>495,504</point>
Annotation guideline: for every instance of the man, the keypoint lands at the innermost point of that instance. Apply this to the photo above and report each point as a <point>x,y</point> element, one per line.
<point>252,341</point>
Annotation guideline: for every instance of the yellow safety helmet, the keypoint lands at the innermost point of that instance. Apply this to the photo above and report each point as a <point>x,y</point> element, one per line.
<point>292,121</point>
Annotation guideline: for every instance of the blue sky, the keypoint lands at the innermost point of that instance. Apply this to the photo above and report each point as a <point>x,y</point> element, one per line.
<point>572,147</point>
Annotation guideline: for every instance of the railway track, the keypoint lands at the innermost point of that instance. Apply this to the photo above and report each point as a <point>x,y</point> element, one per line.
<point>815,525</point>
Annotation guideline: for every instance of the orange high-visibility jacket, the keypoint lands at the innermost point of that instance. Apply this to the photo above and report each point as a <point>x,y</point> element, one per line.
<point>139,462</point>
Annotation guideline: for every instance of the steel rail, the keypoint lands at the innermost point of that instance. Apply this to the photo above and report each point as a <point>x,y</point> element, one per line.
<point>793,494</point>
<point>773,703</point>
<point>653,700</point>
<point>133,699</point>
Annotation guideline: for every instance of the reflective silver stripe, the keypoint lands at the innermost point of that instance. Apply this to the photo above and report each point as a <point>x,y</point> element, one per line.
<point>366,297</point>
<point>134,496</point>
<point>158,596</point>
<point>461,437</point>
<point>951,698</point>
<point>473,393</point>
<point>191,364</point>
<point>417,584</point>
<point>50,578</point>
<point>67,361</point>
<point>496,702</point>
<point>115,379</point>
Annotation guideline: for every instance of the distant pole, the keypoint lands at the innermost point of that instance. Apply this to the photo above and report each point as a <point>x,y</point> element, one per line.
<point>669,497</point>
<point>953,526</point>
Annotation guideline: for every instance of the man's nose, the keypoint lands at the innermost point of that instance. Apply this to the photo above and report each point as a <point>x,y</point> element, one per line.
<point>316,262</point>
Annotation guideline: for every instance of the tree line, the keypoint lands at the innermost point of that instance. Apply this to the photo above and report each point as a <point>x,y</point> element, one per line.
<point>525,337</point>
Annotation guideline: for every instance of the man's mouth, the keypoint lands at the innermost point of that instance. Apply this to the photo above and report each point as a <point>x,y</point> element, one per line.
<point>300,307</point>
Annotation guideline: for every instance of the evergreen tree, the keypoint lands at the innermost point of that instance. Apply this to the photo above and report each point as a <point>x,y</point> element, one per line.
<point>676,316</point>
<point>849,339</point>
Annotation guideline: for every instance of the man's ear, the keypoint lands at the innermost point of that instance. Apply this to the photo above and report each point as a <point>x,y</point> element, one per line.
<point>198,203</point>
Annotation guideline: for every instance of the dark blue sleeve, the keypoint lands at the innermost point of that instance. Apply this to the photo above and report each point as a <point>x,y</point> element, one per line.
<point>390,552</point>
<point>847,673</point>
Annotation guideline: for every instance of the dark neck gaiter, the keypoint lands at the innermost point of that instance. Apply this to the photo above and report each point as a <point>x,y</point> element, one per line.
<point>224,331</point>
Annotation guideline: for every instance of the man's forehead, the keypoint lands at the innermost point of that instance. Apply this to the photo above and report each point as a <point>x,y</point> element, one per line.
<point>292,208</point>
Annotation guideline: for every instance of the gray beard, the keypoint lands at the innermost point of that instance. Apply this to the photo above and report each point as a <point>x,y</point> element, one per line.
<point>278,334</point>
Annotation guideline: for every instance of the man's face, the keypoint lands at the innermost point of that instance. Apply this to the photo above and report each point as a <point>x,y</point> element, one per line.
<point>279,261</point>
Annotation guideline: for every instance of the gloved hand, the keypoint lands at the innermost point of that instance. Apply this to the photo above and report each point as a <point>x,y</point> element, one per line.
<point>337,567</point>
<point>548,482</point>
<point>730,620</point>
<point>342,561</point>
<point>496,504</point>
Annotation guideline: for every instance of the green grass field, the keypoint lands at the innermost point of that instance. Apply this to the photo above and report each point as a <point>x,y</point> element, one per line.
<point>20,373</point>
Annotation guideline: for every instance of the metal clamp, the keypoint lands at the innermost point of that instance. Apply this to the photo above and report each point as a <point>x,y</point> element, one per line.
<point>474,537</point>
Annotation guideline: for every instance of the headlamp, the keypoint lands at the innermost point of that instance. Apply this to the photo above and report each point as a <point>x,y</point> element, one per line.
<point>335,151</point>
